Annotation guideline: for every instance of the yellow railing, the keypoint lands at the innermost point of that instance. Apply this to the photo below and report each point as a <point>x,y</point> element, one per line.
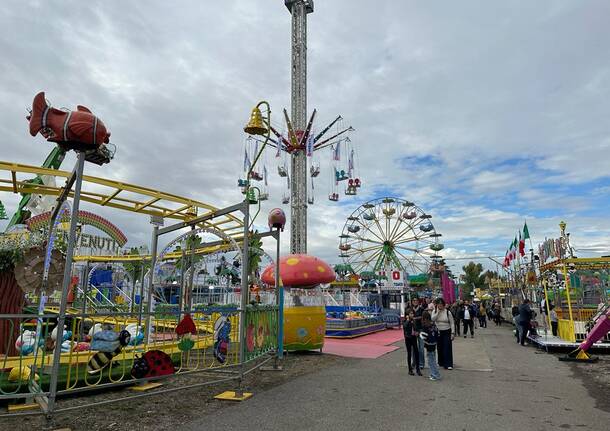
<point>584,315</point>
<point>565,329</point>
<point>76,360</point>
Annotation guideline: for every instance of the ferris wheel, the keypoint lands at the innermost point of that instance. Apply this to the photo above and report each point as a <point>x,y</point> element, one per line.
<point>389,233</point>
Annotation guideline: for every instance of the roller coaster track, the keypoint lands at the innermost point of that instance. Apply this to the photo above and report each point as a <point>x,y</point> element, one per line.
<point>119,195</point>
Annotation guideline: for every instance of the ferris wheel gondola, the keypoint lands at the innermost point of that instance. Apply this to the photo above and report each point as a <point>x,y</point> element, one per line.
<point>353,228</point>
<point>377,236</point>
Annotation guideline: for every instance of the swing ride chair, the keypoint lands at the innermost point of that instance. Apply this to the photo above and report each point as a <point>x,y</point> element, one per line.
<point>314,170</point>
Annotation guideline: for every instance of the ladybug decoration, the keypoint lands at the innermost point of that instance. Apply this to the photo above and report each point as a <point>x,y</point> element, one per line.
<point>159,362</point>
<point>154,363</point>
<point>140,368</point>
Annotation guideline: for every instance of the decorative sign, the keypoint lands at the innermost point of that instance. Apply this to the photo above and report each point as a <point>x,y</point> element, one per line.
<point>112,246</point>
<point>392,280</point>
<point>87,243</point>
<point>551,249</point>
<point>531,278</point>
<point>156,220</point>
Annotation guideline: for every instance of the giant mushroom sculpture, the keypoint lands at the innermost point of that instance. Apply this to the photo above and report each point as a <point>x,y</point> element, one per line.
<point>304,311</point>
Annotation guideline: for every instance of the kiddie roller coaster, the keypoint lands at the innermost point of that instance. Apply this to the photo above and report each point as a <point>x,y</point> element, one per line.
<point>59,334</point>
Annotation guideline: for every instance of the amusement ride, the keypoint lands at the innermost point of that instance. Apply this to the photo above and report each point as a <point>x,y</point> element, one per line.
<point>389,233</point>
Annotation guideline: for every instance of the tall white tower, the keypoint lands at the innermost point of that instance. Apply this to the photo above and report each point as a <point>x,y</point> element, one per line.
<point>298,181</point>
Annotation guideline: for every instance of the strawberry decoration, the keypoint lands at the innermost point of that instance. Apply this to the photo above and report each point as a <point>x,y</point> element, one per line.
<point>185,330</point>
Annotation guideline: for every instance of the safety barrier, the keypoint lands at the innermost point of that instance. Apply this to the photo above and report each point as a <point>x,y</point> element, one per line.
<point>581,325</point>
<point>581,314</point>
<point>565,330</point>
<point>96,354</point>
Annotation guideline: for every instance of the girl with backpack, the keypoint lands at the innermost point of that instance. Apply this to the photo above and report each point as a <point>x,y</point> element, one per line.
<point>430,336</point>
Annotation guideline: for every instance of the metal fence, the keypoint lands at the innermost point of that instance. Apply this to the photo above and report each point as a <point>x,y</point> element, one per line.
<point>96,355</point>
<point>59,350</point>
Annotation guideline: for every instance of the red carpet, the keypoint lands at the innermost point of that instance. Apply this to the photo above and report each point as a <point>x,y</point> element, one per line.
<point>367,347</point>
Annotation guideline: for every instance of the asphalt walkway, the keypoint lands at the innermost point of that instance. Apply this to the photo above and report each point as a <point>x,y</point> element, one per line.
<point>496,385</point>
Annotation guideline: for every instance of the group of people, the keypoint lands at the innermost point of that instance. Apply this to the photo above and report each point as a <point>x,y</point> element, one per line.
<point>431,326</point>
<point>524,318</point>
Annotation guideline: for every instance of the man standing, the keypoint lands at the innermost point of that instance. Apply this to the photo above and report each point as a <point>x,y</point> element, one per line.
<point>467,314</point>
<point>418,311</point>
<point>515,313</point>
<point>525,317</point>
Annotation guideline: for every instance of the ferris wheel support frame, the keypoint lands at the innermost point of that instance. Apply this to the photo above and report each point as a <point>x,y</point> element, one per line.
<point>386,229</point>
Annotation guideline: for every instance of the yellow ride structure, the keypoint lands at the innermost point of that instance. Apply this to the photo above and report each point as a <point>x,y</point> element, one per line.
<point>119,195</point>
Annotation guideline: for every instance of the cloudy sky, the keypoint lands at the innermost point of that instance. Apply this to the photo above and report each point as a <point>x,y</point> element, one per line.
<point>483,113</point>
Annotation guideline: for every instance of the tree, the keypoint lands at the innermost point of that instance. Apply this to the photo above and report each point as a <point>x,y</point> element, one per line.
<point>488,276</point>
<point>135,267</point>
<point>2,212</point>
<point>473,278</point>
<point>255,248</point>
<point>193,242</point>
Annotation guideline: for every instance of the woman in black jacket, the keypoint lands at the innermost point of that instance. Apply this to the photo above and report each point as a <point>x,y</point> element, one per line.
<point>411,337</point>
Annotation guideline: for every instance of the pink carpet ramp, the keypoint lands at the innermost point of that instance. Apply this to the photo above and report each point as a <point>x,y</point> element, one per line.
<point>367,347</point>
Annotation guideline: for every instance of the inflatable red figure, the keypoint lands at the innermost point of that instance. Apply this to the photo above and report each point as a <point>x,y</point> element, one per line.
<point>80,129</point>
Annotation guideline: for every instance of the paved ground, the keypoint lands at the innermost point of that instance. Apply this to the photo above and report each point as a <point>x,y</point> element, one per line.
<point>497,385</point>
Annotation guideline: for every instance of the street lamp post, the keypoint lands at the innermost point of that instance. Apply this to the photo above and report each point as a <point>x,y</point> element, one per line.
<point>262,126</point>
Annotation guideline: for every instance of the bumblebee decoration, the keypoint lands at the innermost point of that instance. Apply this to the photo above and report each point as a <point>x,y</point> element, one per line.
<point>104,341</point>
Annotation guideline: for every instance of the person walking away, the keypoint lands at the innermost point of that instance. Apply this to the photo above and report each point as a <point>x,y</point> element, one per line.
<point>515,313</point>
<point>411,337</point>
<point>475,306</point>
<point>554,320</point>
<point>418,313</point>
<point>467,315</point>
<point>443,319</point>
<point>490,312</point>
<point>497,314</point>
<point>482,316</point>
<point>525,317</point>
<point>429,334</point>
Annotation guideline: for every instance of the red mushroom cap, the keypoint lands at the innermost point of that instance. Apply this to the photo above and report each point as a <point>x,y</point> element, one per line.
<point>186,326</point>
<point>300,270</point>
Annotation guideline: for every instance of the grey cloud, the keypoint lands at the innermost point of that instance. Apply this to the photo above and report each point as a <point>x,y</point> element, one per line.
<point>470,82</point>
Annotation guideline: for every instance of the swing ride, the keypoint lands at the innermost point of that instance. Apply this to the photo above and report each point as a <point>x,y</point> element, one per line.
<point>309,142</point>
<point>389,233</point>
